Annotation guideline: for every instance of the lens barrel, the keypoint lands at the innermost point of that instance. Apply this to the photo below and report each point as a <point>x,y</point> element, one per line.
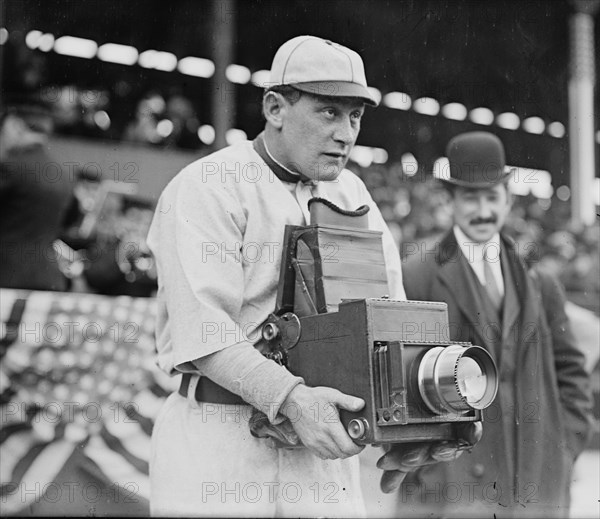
<point>456,379</point>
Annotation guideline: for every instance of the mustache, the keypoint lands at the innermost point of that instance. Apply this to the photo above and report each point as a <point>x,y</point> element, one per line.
<point>478,221</point>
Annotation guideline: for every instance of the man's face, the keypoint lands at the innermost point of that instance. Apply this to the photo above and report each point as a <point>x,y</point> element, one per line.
<point>318,133</point>
<point>480,213</point>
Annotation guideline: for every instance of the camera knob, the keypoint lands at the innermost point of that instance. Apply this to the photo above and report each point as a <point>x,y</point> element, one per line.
<point>358,428</point>
<point>270,331</point>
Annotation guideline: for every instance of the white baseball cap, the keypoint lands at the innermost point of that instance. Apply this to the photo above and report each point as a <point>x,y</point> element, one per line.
<point>320,67</point>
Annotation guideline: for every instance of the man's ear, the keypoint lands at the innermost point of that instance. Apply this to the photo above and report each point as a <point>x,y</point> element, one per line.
<point>274,108</point>
<point>511,199</point>
<point>510,196</point>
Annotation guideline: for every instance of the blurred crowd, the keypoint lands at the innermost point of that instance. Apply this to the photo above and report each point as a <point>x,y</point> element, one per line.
<point>158,120</point>
<point>101,244</point>
<point>414,206</point>
<point>116,111</point>
<point>416,210</point>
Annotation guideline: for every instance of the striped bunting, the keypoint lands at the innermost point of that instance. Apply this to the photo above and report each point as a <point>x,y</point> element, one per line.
<point>77,375</point>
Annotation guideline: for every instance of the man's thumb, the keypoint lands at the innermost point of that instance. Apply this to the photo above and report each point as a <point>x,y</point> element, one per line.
<point>391,480</point>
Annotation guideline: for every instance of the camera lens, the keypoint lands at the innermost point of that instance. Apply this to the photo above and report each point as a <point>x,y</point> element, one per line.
<point>471,380</point>
<point>456,379</point>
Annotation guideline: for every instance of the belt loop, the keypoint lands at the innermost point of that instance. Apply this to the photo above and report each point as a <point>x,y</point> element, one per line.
<point>191,392</point>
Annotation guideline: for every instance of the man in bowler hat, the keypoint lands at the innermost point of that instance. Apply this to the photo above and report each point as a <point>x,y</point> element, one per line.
<point>540,419</point>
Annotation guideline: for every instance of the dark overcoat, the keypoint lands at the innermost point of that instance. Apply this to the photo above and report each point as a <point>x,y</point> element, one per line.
<point>540,419</point>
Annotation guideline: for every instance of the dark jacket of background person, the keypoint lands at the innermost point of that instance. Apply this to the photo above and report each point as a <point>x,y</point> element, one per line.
<point>35,192</point>
<point>539,421</point>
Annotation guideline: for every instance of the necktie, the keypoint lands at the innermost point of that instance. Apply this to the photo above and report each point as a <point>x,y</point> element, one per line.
<point>491,285</point>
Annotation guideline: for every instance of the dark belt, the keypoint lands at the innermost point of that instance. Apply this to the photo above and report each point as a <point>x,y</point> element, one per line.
<point>208,391</point>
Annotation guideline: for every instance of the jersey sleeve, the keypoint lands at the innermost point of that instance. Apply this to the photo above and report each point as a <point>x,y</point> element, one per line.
<point>196,230</point>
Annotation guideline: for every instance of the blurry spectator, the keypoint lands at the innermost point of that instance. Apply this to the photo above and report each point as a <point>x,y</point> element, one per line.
<point>184,133</point>
<point>35,193</point>
<point>172,123</point>
<point>80,112</point>
<point>24,70</point>
<point>107,225</point>
<point>540,227</point>
<point>35,190</point>
<point>65,109</point>
<point>144,128</point>
<point>118,262</point>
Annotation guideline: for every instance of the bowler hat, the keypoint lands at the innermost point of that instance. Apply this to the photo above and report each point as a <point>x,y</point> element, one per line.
<point>320,67</point>
<point>476,160</point>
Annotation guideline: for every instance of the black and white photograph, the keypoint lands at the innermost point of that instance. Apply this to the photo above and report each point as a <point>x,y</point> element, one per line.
<point>303,258</point>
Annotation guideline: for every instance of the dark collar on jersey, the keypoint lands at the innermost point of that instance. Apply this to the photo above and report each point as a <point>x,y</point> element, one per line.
<point>282,173</point>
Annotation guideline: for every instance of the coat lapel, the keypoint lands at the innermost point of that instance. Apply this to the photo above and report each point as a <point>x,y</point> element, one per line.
<point>453,274</point>
<point>512,306</point>
<point>527,296</point>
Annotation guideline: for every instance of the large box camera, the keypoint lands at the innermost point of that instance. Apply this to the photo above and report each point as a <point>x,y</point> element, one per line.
<point>396,355</point>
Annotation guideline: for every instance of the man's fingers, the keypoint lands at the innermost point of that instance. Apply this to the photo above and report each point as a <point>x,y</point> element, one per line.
<point>347,446</point>
<point>445,452</point>
<point>405,457</point>
<point>391,480</point>
<point>470,432</point>
<point>341,442</point>
<point>338,446</point>
<point>347,402</point>
<point>324,433</point>
<point>323,448</point>
<point>326,454</point>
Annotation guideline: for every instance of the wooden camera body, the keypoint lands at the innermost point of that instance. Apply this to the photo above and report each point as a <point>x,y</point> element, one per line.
<point>335,327</point>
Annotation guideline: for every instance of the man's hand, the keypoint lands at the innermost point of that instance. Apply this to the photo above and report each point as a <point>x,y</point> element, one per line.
<point>313,412</point>
<point>403,458</point>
